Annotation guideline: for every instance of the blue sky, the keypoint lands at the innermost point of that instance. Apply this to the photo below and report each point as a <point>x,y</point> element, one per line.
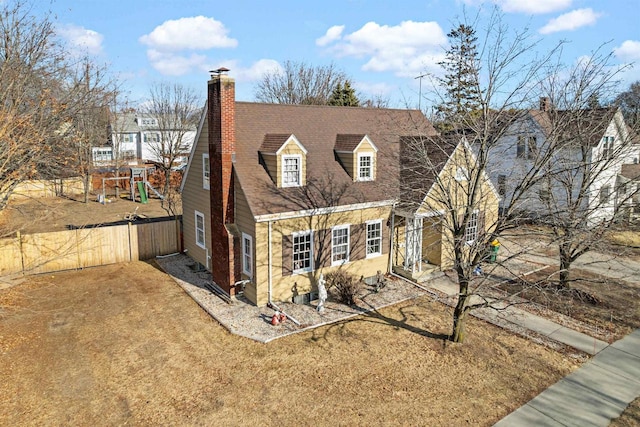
<point>381,45</point>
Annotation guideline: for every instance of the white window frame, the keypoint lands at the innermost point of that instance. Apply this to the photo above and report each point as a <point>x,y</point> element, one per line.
<point>309,234</point>
<point>342,246</point>
<point>202,243</point>
<point>370,240</point>
<point>471,230</point>
<point>247,255</point>
<point>206,172</point>
<point>607,148</point>
<point>605,194</point>
<point>462,174</point>
<point>298,182</point>
<point>369,168</point>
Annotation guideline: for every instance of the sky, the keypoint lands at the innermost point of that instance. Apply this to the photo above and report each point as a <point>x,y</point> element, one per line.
<point>381,45</point>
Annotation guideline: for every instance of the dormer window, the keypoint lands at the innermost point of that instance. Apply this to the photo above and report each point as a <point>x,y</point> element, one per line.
<point>147,121</point>
<point>284,159</point>
<point>291,170</point>
<point>365,167</point>
<point>357,154</point>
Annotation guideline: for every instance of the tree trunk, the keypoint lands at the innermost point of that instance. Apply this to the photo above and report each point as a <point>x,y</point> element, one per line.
<point>460,313</point>
<point>86,183</point>
<point>565,267</point>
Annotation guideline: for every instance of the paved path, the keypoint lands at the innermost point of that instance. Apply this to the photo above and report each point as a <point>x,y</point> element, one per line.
<point>527,320</point>
<point>593,395</point>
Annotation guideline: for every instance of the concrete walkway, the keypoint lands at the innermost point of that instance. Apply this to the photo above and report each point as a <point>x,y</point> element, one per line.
<point>527,320</point>
<point>596,393</point>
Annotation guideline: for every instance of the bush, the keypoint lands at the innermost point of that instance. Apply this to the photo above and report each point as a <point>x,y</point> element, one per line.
<point>343,286</point>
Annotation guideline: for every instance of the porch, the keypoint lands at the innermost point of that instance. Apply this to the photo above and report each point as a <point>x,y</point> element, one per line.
<point>417,251</point>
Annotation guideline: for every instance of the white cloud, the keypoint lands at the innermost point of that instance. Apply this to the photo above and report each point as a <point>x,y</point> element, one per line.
<point>406,49</point>
<point>257,70</point>
<point>195,33</point>
<point>571,21</point>
<point>80,39</point>
<point>173,64</point>
<point>532,7</point>
<point>629,50</point>
<point>331,35</point>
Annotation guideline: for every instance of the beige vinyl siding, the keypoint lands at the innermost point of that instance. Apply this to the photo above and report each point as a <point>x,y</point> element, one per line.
<point>432,240</point>
<point>346,159</point>
<point>196,198</point>
<point>245,223</point>
<point>284,286</point>
<point>363,148</point>
<point>271,164</point>
<point>290,149</point>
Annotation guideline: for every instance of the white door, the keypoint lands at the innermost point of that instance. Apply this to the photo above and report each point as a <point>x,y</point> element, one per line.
<point>413,255</point>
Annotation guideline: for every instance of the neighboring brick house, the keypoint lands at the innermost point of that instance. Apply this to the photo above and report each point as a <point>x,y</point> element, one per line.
<point>598,138</point>
<point>273,195</point>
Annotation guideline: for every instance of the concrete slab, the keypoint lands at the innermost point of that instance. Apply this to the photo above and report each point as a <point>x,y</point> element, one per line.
<point>619,362</point>
<point>630,343</point>
<point>599,381</point>
<point>574,405</point>
<point>535,323</point>
<point>527,416</point>
<point>578,340</point>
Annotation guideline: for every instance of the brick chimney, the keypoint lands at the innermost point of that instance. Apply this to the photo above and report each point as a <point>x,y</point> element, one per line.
<point>225,242</point>
<point>545,103</point>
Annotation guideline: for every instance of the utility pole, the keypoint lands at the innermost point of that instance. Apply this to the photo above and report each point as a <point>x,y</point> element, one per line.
<point>420,92</point>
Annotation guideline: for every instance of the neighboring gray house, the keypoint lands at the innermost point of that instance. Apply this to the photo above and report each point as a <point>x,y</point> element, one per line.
<point>137,138</point>
<point>597,137</point>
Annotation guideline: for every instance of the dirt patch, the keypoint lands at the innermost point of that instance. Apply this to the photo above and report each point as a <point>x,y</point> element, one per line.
<point>630,417</point>
<point>55,214</point>
<point>611,308</point>
<point>123,344</point>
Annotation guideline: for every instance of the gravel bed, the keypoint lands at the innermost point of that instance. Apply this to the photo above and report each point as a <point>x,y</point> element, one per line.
<point>243,318</point>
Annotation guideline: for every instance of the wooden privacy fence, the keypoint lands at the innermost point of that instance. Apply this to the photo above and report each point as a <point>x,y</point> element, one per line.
<point>87,247</point>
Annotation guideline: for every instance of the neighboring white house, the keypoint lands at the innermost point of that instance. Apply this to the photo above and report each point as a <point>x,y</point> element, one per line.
<point>138,139</point>
<point>597,137</point>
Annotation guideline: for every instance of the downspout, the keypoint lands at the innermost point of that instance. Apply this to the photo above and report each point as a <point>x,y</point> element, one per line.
<point>269,263</point>
<point>270,303</point>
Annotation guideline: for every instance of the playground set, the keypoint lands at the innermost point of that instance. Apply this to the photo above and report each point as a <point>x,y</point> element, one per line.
<point>138,182</point>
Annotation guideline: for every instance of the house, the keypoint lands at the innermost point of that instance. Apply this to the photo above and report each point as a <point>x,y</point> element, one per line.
<point>139,138</point>
<point>587,146</point>
<point>273,195</point>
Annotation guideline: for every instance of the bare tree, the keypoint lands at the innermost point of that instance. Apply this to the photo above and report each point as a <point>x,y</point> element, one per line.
<point>177,111</point>
<point>44,93</point>
<point>300,83</point>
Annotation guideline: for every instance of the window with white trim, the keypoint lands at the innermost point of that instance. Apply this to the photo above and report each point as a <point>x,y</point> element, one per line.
<point>365,167</point>
<point>302,252</point>
<point>605,191</point>
<point>462,174</point>
<point>607,148</point>
<point>526,147</point>
<point>200,240</point>
<point>205,171</point>
<point>247,254</point>
<point>340,245</point>
<point>374,238</point>
<point>151,137</point>
<point>471,231</point>
<point>291,171</point>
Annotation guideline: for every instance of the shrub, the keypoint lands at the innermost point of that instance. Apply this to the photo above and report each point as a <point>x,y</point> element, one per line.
<point>343,286</point>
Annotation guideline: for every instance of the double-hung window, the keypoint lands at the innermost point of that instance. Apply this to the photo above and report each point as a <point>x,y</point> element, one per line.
<point>247,255</point>
<point>303,252</point>
<point>605,191</point>
<point>607,148</point>
<point>526,147</point>
<point>374,238</point>
<point>205,171</point>
<point>291,171</point>
<point>471,231</point>
<point>365,167</point>
<point>200,230</point>
<point>340,245</point>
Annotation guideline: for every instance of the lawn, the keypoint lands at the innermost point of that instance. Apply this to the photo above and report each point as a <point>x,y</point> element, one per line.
<point>123,344</point>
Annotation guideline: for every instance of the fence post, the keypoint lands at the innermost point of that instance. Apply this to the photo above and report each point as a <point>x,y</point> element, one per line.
<point>19,237</point>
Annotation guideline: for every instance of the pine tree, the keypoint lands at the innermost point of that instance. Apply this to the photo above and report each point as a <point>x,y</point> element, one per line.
<point>344,96</point>
<point>461,79</point>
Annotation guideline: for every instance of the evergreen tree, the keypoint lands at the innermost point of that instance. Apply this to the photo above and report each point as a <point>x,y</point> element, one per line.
<point>461,79</point>
<point>344,95</point>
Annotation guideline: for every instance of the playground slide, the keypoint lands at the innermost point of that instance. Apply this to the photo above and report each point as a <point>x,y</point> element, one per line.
<point>143,193</point>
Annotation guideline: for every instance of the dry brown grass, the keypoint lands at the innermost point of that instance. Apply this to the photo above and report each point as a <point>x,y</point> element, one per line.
<point>630,417</point>
<point>123,344</point>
